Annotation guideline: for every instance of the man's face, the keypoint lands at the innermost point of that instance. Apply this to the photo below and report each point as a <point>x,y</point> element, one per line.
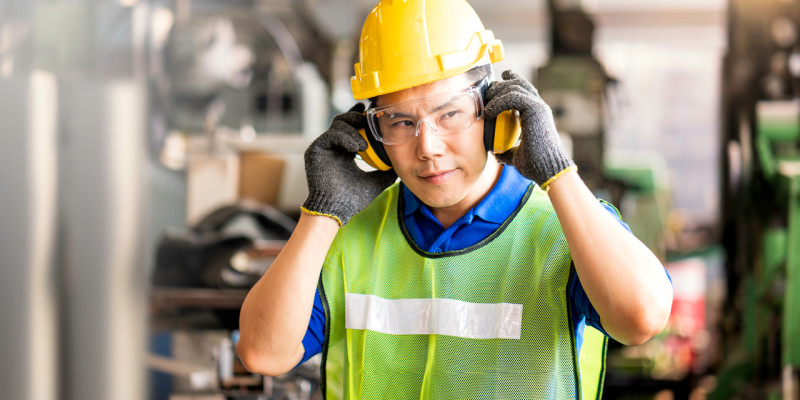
<point>448,171</point>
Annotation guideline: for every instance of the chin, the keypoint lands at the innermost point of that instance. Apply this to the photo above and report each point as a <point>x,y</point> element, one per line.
<point>441,201</point>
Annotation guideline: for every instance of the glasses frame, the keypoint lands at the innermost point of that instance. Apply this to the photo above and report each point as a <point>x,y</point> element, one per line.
<point>477,89</point>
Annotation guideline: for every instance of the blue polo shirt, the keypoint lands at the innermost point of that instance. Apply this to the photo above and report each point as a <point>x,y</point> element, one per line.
<point>474,226</point>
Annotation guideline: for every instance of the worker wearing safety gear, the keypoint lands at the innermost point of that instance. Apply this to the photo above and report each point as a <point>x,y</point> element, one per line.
<point>468,278</point>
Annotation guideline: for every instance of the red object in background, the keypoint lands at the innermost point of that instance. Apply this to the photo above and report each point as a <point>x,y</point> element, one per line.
<point>688,316</point>
<point>687,321</point>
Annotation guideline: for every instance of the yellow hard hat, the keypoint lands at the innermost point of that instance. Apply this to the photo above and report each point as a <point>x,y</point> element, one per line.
<point>406,43</point>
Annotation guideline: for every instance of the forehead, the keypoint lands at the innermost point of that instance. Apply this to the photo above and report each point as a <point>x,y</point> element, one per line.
<point>447,85</point>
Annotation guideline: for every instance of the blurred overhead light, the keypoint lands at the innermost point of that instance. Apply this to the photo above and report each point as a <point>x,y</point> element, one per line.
<point>128,3</point>
<point>161,24</point>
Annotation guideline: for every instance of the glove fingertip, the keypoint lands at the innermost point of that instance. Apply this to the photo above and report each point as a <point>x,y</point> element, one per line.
<point>490,111</point>
<point>508,100</point>
<point>361,143</point>
<point>510,75</point>
<point>493,90</point>
<point>354,142</point>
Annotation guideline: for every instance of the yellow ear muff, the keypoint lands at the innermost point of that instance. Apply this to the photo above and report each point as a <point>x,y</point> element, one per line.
<point>506,131</point>
<point>370,157</point>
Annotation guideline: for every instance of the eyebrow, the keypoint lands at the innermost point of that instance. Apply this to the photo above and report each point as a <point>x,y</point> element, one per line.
<point>399,115</point>
<point>443,105</point>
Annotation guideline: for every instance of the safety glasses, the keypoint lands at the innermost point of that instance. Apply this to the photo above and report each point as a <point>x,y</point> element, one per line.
<point>444,114</point>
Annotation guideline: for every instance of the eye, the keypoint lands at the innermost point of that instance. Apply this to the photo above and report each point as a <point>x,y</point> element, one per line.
<point>450,114</point>
<point>402,124</point>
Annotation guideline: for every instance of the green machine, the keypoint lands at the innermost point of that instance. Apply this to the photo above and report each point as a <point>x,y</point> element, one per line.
<point>759,347</point>
<point>778,138</point>
<point>637,182</point>
<point>766,358</point>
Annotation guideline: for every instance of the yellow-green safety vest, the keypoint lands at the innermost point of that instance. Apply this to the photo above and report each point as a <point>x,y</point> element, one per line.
<point>491,321</point>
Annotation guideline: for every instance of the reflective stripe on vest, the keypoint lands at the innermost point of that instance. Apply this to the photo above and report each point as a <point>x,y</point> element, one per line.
<point>433,317</point>
<point>489,322</point>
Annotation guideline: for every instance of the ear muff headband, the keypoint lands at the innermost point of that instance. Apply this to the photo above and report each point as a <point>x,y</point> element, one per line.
<point>489,133</point>
<point>488,124</point>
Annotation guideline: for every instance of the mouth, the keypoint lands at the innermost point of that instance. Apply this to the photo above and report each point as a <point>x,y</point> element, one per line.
<point>436,177</point>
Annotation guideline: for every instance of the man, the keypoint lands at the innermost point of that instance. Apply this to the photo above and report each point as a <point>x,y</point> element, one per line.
<point>470,278</point>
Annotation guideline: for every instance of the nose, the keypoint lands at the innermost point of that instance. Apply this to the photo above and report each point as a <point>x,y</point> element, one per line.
<point>430,144</point>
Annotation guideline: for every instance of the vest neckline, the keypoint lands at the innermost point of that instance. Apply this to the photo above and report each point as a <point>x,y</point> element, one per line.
<point>476,246</point>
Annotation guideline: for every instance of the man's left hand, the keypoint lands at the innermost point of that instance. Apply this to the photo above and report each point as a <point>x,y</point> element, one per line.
<point>540,155</point>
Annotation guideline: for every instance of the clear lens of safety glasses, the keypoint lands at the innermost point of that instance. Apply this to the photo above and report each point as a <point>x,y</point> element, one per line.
<point>445,114</point>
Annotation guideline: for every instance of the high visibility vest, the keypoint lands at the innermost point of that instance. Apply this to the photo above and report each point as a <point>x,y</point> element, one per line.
<point>491,321</point>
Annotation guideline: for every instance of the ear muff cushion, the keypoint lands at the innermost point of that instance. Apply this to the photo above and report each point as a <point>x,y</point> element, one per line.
<point>488,133</point>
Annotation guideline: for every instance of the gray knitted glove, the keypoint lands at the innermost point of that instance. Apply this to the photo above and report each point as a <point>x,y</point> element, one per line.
<point>540,155</point>
<point>337,187</point>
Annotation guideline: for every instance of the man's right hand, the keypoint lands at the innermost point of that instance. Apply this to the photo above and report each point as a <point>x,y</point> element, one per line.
<point>274,317</point>
<point>337,187</point>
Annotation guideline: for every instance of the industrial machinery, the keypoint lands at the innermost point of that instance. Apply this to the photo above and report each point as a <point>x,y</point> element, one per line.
<point>574,84</point>
<point>225,81</point>
<point>761,202</point>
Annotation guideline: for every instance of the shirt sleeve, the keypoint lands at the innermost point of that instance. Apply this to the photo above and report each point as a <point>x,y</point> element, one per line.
<point>580,302</point>
<point>315,334</point>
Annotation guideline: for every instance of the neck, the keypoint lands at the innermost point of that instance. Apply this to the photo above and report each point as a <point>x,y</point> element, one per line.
<point>491,173</point>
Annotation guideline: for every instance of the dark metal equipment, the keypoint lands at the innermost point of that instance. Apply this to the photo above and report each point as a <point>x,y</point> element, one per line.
<point>574,84</point>
<point>760,144</point>
<point>201,278</point>
<point>229,248</point>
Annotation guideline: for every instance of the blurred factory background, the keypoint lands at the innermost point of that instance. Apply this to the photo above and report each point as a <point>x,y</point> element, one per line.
<point>151,168</point>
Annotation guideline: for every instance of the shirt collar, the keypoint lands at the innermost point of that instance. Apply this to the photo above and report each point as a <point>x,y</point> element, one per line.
<point>410,202</point>
<point>504,197</point>
<point>496,207</point>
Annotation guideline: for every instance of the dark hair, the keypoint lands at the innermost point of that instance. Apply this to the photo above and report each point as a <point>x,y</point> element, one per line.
<point>473,75</point>
<point>479,72</point>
